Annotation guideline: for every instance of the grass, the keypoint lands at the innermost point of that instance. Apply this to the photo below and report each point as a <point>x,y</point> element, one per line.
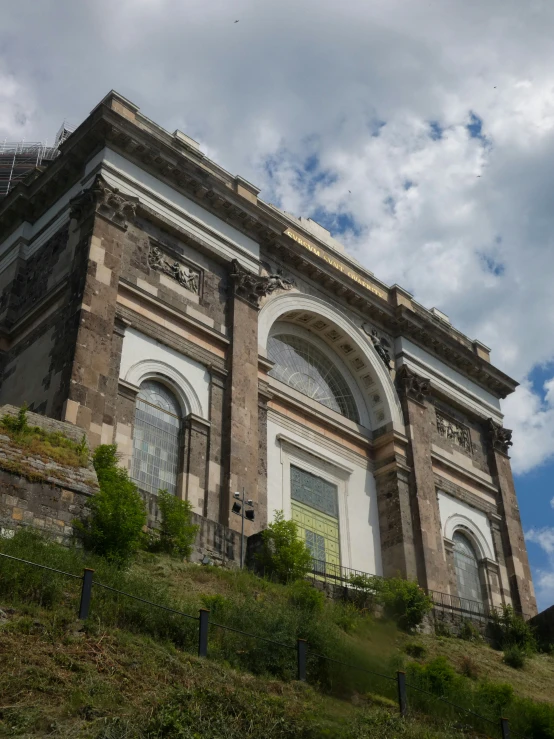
<point>122,632</point>
<point>44,445</point>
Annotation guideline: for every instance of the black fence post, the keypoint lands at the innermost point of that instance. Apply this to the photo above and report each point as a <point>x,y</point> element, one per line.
<point>302,655</point>
<point>402,697</point>
<point>505,727</point>
<point>86,592</point>
<point>203,632</point>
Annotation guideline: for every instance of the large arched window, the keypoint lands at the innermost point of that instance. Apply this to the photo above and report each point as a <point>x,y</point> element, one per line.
<point>156,439</point>
<point>466,564</point>
<point>305,368</point>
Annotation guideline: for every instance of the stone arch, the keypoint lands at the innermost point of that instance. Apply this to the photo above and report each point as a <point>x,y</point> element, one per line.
<point>349,342</point>
<point>464,525</point>
<point>151,369</point>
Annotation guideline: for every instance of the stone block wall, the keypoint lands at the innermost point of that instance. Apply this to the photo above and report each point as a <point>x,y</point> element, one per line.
<point>543,623</point>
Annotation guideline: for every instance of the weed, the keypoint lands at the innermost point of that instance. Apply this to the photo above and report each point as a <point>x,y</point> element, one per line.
<point>515,656</point>
<point>413,649</point>
<point>469,668</point>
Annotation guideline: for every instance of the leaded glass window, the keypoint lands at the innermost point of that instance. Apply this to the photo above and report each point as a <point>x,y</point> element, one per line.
<point>314,491</point>
<point>467,572</point>
<point>305,368</point>
<point>316,544</point>
<point>156,439</point>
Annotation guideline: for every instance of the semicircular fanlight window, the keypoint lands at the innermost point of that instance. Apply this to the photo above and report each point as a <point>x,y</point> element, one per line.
<point>305,368</point>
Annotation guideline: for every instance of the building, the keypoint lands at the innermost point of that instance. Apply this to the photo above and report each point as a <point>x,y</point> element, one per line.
<point>155,301</point>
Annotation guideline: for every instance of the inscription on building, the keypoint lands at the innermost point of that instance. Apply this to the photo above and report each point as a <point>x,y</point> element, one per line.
<point>454,431</point>
<point>335,263</point>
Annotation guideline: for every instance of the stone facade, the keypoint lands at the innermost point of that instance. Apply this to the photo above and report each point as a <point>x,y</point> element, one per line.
<point>161,267</point>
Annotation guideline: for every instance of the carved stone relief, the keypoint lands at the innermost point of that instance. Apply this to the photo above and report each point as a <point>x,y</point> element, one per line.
<point>106,200</point>
<point>253,287</point>
<point>181,273</point>
<point>412,384</point>
<point>453,431</point>
<point>381,344</point>
<point>499,437</point>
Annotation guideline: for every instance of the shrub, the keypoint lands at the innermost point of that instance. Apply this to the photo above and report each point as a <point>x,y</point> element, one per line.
<point>405,602</point>
<point>495,696</point>
<point>117,512</point>
<point>469,668</point>
<point>365,589</point>
<point>418,651</point>
<point>470,632</point>
<point>508,630</point>
<point>438,676</point>
<point>177,533</point>
<point>17,424</point>
<point>514,656</point>
<point>284,555</point>
<point>306,597</point>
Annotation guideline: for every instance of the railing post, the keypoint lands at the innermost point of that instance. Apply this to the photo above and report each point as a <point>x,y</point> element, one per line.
<point>203,632</point>
<point>505,728</point>
<point>302,656</point>
<point>402,697</point>
<point>86,592</point>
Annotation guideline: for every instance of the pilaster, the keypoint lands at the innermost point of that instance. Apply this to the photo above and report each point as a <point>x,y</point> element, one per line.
<point>515,551</point>
<point>431,562</point>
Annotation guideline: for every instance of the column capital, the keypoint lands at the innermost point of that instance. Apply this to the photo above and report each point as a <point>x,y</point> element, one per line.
<point>412,385</point>
<point>106,200</point>
<point>499,438</point>
<point>252,287</point>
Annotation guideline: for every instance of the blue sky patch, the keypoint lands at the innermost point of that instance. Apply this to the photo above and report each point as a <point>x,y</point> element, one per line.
<point>436,130</point>
<point>408,184</point>
<point>475,126</point>
<point>492,265</point>
<point>336,223</point>
<point>539,375</point>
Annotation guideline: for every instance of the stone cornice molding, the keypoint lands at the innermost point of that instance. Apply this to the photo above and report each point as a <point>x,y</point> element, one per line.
<point>105,200</point>
<point>499,438</point>
<point>412,385</point>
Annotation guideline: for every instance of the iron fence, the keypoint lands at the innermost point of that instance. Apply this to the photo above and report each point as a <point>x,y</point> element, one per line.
<point>300,649</point>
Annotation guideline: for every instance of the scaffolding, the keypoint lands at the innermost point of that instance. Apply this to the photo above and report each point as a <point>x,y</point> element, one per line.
<point>18,159</point>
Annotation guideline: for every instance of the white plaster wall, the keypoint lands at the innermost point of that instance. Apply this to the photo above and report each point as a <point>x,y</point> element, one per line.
<point>359,522</point>
<point>451,381</point>
<point>178,208</point>
<point>454,512</point>
<point>187,373</point>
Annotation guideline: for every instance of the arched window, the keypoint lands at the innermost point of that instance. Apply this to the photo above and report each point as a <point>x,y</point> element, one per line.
<point>466,564</point>
<point>156,439</point>
<point>307,369</point>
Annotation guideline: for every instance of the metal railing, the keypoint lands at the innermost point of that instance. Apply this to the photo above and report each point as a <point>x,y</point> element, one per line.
<point>472,608</point>
<point>301,648</point>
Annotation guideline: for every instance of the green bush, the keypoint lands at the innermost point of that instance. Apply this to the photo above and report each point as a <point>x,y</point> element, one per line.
<point>117,513</point>
<point>404,602</point>
<point>418,651</point>
<point>507,629</point>
<point>495,696</point>
<point>17,424</point>
<point>284,555</point>
<point>177,533</point>
<point>515,656</point>
<point>303,595</point>
<point>470,632</point>
<point>437,676</point>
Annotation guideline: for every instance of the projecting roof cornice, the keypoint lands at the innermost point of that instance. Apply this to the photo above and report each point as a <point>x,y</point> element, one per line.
<point>177,160</point>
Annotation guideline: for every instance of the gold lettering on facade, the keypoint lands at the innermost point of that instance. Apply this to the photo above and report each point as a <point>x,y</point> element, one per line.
<point>335,264</point>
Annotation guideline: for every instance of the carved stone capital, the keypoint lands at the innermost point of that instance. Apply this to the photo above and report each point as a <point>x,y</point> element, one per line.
<point>106,200</point>
<point>499,437</point>
<point>412,385</point>
<point>252,287</point>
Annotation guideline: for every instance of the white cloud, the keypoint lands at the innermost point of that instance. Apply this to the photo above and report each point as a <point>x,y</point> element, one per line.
<point>473,234</point>
<point>544,578</point>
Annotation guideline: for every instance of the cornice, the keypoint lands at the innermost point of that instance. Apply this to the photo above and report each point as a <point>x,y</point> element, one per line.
<point>174,160</point>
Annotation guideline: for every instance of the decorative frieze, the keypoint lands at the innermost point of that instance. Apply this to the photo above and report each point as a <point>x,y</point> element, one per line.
<point>186,276</point>
<point>499,437</point>
<point>106,200</point>
<point>453,431</point>
<point>253,287</point>
<point>412,385</point>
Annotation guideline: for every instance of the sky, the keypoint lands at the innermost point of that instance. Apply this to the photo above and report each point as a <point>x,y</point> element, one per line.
<point>420,133</point>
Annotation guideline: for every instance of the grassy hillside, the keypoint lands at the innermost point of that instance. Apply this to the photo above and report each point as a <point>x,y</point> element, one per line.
<point>130,671</point>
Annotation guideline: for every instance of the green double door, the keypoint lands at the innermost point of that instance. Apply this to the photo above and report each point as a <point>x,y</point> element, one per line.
<point>315,510</point>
